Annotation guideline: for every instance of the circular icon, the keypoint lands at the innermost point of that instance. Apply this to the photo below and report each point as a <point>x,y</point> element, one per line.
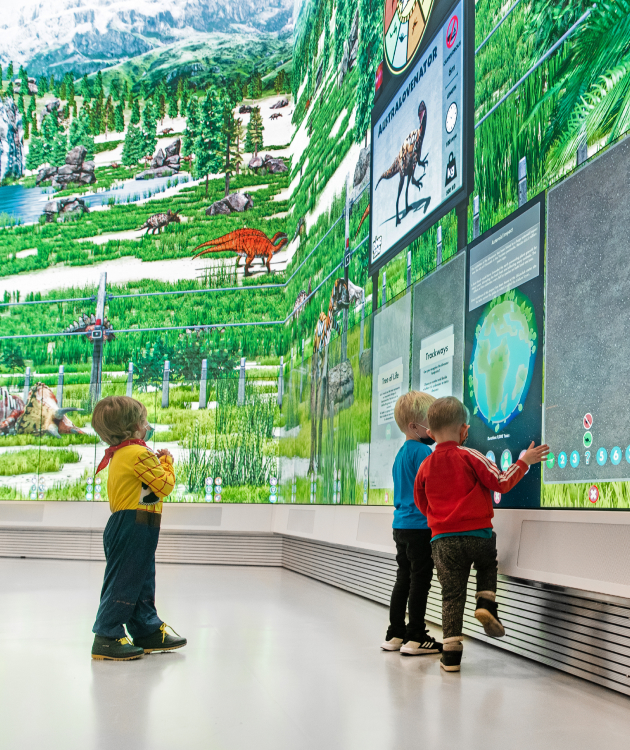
<point>497,497</point>
<point>574,459</point>
<point>551,460</point>
<point>615,455</point>
<point>451,32</point>
<point>587,439</point>
<point>451,118</point>
<point>386,497</point>
<point>490,455</point>
<point>41,495</point>
<point>218,490</point>
<point>587,421</point>
<point>593,494</point>
<point>208,498</point>
<point>88,496</point>
<point>218,481</point>
<point>97,481</point>
<point>628,454</point>
<point>272,498</point>
<point>209,480</point>
<point>602,456</point>
<point>506,459</point>
<point>562,460</point>
<point>273,481</point>
<point>404,24</point>
<point>33,496</point>
<point>273,489</point>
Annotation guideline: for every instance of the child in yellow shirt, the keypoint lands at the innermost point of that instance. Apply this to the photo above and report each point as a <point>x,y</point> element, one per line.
<point>138,480</point>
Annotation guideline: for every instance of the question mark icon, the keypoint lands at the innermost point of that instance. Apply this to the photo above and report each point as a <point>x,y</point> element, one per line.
<point>587,456</point>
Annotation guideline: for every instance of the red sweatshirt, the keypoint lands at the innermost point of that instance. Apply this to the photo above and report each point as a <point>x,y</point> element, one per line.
<point>453,488</point>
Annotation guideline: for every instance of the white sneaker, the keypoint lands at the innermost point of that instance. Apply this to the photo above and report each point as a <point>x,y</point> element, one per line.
<point>414,648</point>
<point>393,644</point>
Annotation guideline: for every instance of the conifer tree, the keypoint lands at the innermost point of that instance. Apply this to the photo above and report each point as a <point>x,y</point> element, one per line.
<point>10,72</point>
<point>119,118</point>
<point>51,84</point>
<point>161,108</point>
<point>370,23</point>
<point>133,147</point>
<point>10,91</point>
<point>232,135</point>
<point>149,126</point>
<point>114,89</point>
<point>172,106</point>
<point>86,89</point>
<point>135,111</point>
<point>70,90</point>
<point>109,120</point>
<point>209,141</point>
<point>254,140</point>
<point>27,129</point>
<point>192,127</point>
<point>23,75</point>
<point>80,134</point>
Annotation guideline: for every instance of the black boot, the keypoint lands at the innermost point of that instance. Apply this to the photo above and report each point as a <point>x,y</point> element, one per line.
<point>115,649</point>
<point>160,641</point>
<point>487,614</point>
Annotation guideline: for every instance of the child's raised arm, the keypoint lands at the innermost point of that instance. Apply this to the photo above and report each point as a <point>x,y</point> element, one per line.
<point>157,473</point>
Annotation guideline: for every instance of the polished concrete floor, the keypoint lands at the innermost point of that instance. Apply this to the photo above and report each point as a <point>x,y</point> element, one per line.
<point>275,661</point>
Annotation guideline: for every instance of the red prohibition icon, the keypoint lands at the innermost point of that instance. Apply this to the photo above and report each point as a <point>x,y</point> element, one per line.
<point>593,494</point>
<point>588,421</point>
<point>451,32</point>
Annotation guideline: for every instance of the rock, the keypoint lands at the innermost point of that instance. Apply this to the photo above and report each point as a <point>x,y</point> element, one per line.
<point>49,107</point>
<point>365,363</point>
<point>45,174</point>
<point>88,166</point>
<point>245,109</point>
<point>87,178</point>
<point>32,88</point>
<point>255,163</point>
<point>158,159</point>
<point>278,105</point>
<point>363,166</point>
<point>67,169</point>
<point>234,203</point>
<point>76,155</point>
<point>64,206</point>
<point>173,162</point>
<point>11,140</point>
<point>148,174</point>
<point>275,166</point>
<point>341,386</point>
<point>173,149</point>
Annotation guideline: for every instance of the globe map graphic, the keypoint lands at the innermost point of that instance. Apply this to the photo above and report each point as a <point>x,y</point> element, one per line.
<point>502,359</point>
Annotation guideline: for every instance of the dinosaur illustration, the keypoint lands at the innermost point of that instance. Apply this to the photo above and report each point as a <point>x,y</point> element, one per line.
<point>157,222</point>
<point>366,213</point>
<point>339,300</point>
<point>300,301</point>
<point>275,115</point>
<point>87,323</point>
<point>246,243</point>
<point>409,157</point>
<point>166,131</point>
<point>40,415</point>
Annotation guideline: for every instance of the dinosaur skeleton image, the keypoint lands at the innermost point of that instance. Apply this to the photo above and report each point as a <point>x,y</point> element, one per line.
<point>339,300</point>
<point>246,243</point>
<point>40,415</point>
<point>409,157</point>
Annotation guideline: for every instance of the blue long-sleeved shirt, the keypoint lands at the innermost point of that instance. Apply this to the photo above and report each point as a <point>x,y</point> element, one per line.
<point>406,465</point>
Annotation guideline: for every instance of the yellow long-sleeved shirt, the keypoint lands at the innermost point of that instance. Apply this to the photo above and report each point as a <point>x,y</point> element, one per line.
<point>136,477</point>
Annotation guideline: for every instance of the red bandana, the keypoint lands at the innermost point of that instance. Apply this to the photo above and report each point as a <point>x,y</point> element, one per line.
<point>109,452</point>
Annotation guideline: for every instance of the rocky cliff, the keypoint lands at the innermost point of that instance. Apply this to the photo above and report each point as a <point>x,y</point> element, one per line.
<point>11,140</point>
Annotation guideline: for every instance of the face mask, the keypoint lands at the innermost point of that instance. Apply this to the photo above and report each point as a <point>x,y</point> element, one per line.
<point>426,439</point>
<point>149,434</point>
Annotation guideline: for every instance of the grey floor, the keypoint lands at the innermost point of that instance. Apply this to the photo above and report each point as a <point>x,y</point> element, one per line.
<point>275,661</point>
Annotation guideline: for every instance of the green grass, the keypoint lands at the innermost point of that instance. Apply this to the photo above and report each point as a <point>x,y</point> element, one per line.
<point>612,495</point>
<point>35,461</point>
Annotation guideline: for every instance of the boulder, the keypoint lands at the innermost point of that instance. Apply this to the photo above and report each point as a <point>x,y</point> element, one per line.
<point>234,203</point>
<point>278,105</point>
<point>172,162</point>
<point>67,169</point>
<point>11,140</point>
<point>45,174</point>
<point>365,363</point>
<point>158,159</point>
<point>32,88</point>
<point>255,163</point>
<point>52,209</point>
<point>173,149</point>
<point>275,166</point>
<point>363,166</point>
<point>148,174</point>
<point>87,178</point>
<point>341,386</point>
<point>76,156</point>
<point>88,166</point>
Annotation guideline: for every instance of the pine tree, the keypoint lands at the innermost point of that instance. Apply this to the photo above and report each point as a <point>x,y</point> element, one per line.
<point>35,156</point>
<point>245,90</point>
<point>51,84</point>
<point>280,82</point>
<point>63,94</point>
<point>34,123</point>
<point>192,127</point>
<point>119,118</point>
<point>342,27</point>
<point>258,85</point>
<point>10,91</point>
<point>80,134</point>
<point>70,90</point>
<point>21,104</point>
<point>114,89</point>
<point>370,21</point>
<point>133,147</point>
<point>232,135</point>
<point>32,107</point>
<point>172,106</point>
<point>27,129</point>
<point>10,72</point>
<point>86,89</point>
<point>161,108</point>
<point>149,126</point>
<point>209,141</point>
<point>98,86</point>
<point>23,75</point>
<point>144,90</point>
<point>42,85</point>
<point>254,140</point>
<point>135,112</point>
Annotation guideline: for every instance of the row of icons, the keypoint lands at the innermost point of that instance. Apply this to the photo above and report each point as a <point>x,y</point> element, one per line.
<point>601,456</point>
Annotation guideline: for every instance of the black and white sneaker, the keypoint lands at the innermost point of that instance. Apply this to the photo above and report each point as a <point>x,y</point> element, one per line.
<point>487,615</point>
<point>420,648</point>
<point>392,644</point>
<point>451,660</point>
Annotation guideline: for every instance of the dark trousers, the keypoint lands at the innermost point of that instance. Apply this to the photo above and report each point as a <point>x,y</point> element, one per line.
<point>413,581</point>
<point>128,594</point>
<point>454,556</point>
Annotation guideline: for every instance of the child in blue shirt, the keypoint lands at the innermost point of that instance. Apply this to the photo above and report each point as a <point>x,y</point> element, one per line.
<point>412,535</point>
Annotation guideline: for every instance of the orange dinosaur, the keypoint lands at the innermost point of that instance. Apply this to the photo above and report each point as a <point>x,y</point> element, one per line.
<point>246,243</point>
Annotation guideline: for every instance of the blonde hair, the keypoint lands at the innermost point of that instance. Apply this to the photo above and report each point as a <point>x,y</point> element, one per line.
<point>447,412</point>
<point>412,407</point>
<point>116,418</point>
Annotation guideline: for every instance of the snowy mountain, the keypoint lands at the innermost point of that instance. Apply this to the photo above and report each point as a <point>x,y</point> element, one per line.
<point>86,35</point>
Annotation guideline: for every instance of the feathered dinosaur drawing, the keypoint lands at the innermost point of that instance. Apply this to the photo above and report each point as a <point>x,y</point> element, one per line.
<point>300,301</point>
<point>409,157</point>
<point>246,243</point>
<point>327,322</point>
<point>40,415</point>
<point>157,222</point>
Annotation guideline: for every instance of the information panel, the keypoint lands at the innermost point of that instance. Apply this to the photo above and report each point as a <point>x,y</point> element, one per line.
<point>420,140</point>
<point>504,324</point>
<point>390,380</point>
<point>438,330</point>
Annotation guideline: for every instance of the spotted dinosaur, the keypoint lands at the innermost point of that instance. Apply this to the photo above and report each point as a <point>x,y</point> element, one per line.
<point>409,157</point>
<point>246,243</point>
<point>157,222</point>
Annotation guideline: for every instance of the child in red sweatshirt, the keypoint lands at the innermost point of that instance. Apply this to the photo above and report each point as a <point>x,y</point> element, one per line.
<point>453,489</point>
